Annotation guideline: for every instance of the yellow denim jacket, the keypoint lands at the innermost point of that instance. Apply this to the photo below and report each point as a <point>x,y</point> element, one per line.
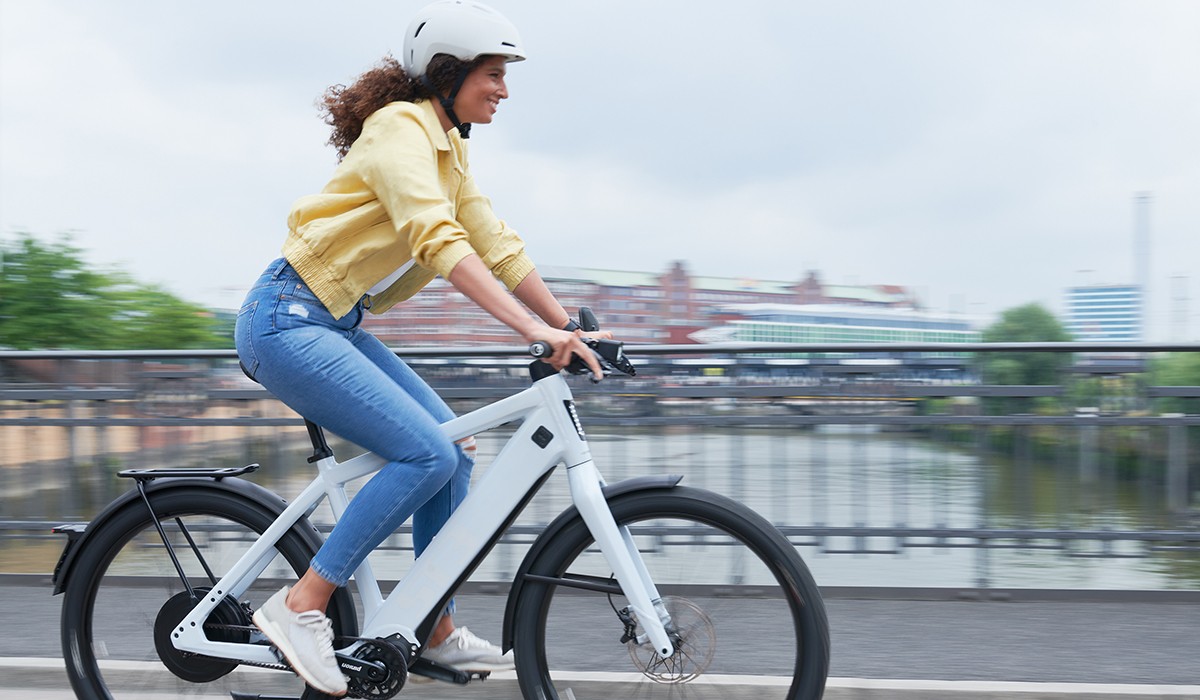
<point>403,192</point>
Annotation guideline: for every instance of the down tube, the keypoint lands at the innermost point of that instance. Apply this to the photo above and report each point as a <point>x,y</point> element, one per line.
<point>468,532</point>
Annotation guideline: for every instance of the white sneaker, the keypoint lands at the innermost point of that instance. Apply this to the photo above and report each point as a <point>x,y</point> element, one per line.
<point>305,639</point>
<point>466,652</point>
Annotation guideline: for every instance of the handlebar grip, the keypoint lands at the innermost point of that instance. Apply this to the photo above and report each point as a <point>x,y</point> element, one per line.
<point>540,349</point>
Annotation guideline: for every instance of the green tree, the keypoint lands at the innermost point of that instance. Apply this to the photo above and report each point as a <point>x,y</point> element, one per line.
<point>45,295</point>
<point>1176,369</point>
<point>1030,323</point>
<point>49,298</point>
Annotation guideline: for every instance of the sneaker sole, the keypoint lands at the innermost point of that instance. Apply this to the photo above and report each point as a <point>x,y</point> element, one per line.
<point>279,639</point>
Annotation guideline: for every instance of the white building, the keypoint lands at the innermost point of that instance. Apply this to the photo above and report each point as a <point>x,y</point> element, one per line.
<point>1105,313</point>
<point>835,323</point>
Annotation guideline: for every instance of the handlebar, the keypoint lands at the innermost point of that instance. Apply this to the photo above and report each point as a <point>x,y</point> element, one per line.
<point>609,353</point>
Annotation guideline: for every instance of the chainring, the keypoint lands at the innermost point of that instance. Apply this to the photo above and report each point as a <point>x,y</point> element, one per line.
<point>694,638</point>
<point>383,652</point>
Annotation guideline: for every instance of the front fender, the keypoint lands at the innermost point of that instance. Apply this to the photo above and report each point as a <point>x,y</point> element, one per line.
<point>641,483</point>
<point>270,501</point>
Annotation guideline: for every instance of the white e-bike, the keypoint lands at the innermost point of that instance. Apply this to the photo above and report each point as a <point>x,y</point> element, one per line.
<point>640,589</point>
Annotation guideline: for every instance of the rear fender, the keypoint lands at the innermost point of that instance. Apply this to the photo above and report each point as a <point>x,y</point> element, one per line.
<point>79,534</point>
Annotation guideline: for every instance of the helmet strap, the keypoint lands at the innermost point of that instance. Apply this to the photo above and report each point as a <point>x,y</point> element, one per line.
<point>448,101</point>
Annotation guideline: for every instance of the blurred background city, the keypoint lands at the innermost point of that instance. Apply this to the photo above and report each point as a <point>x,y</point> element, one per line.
<point>897,447</point>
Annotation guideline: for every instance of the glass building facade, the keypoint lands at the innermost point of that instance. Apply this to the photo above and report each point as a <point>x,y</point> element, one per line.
<point>1105,313</point>
<point>832,324</point>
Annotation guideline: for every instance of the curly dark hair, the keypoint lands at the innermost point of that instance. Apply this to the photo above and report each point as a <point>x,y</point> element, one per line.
<point>346,107</point>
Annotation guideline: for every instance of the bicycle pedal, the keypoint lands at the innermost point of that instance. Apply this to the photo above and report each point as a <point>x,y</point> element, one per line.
<point>435,671</point>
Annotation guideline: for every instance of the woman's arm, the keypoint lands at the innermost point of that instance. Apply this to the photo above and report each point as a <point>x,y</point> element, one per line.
<point>532,291</point>
<point>471,277</point>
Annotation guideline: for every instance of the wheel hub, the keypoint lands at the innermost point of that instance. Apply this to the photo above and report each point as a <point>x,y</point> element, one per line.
<point>219,627</point>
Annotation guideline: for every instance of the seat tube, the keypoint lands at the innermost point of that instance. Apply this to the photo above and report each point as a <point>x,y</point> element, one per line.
<point>620,552</point>
<point>364,576</point>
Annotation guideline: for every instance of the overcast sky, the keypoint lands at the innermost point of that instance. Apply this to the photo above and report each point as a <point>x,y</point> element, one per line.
<point>986,154</point>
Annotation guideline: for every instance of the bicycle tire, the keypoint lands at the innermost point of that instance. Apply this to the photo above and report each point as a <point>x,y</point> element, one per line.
<point>125,563</point>
<point>564,647</point>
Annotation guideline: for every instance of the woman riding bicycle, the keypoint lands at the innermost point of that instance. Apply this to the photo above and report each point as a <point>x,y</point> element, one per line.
<point>401,208</point>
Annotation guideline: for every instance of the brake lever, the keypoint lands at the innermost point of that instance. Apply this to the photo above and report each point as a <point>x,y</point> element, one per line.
<point>578,365</point>
<point>613,352</point>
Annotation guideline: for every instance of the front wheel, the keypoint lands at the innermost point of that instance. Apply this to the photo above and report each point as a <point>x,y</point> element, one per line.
<point>746,616</point>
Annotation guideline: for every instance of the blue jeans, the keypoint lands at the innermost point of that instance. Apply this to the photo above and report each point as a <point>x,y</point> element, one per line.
<point>344,379</point>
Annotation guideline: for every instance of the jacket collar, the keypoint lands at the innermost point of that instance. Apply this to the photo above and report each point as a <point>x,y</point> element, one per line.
<point>429,116</point>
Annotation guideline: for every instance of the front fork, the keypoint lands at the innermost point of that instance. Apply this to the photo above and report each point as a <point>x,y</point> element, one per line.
<point>622,555</point>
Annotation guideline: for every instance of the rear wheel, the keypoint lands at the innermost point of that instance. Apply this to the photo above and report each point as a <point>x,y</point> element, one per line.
<point>747,617</point>
<point>125,596</point>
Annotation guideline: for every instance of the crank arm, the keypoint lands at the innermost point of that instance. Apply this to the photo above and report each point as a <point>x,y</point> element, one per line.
<point>438,672</point>
<point>362,669</point>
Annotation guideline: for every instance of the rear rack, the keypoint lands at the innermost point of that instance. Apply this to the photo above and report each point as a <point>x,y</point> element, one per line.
<point>218,473</point>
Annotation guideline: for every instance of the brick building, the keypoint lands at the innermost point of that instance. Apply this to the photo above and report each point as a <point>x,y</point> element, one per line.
<point>639,307</point>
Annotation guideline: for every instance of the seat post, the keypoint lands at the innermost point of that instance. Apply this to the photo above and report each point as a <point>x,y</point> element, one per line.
<point>317,436</point>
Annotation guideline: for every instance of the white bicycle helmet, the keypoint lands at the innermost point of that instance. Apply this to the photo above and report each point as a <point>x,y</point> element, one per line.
<point>464,29</point>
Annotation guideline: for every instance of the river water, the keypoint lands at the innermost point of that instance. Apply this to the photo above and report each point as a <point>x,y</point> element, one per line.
<point>843,477</point>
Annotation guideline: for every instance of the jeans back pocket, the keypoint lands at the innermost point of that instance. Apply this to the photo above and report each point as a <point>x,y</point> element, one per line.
<point>243,337</point>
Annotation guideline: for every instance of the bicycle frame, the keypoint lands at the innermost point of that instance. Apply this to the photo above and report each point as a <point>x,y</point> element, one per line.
<point>550,434</point>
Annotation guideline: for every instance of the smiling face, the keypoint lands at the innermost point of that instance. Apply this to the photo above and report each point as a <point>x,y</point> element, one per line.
<point>482,91</point>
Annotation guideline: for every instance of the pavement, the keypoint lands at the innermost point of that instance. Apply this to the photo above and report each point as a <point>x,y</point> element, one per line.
<point>888,644</point>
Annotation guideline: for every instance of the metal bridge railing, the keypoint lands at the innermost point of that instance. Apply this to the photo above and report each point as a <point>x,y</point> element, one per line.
<point>887,461</point>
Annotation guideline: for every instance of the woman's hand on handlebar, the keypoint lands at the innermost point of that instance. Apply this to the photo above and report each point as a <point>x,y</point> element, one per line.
<point>565,344</point>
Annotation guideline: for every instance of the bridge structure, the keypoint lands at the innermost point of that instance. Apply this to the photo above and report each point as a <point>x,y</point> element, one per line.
<point>1004,534</point>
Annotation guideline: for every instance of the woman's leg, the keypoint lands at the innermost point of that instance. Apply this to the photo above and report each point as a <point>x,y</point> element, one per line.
<point>346,381</point>
<point>337,376</point>
<point>433,514</point>
<point>345,392</point>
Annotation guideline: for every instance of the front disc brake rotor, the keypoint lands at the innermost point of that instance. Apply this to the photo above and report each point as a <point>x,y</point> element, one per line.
<point>694,638</point>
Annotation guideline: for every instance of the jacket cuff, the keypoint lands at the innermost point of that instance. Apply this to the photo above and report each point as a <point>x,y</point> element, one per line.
<point>514,271</point>
<point>451,254</point>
